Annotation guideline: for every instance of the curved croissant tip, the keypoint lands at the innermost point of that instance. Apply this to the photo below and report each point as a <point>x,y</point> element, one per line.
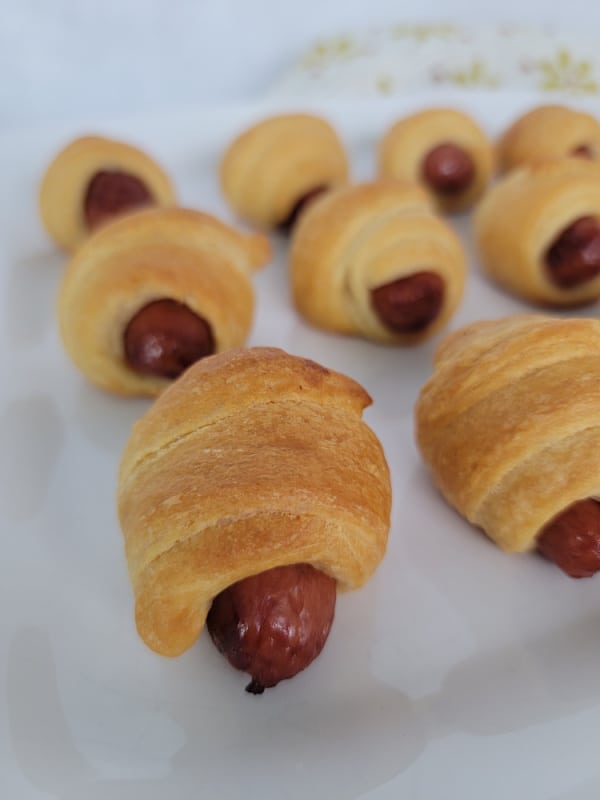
<point>259,250</point>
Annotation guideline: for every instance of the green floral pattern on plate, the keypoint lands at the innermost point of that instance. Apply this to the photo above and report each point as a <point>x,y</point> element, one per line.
<point>408,57</point>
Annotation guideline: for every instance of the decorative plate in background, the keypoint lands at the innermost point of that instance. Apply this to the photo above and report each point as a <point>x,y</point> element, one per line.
<point>409,58</point>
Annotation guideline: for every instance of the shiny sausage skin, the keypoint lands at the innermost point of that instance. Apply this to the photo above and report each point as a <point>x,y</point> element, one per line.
<point>448,169</point>
<point>299,207</point>
<point>574,257</point>
<point>111,193</point>
<point>572,539</point>
<point>583,151</point>
<point>409,304</point>
<point>274,624</point>
<point>165,337</point>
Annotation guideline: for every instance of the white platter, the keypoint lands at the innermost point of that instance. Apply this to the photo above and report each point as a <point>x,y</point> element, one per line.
<point>457,672</point>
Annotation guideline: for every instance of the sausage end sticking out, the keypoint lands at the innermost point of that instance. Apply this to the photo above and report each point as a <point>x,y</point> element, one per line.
<point>111,193</point>
<point>274,624</point>
<point>572,539</point>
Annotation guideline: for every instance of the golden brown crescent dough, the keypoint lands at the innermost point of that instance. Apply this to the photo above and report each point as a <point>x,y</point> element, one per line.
<point>184,255</point>
<point>522,218</point>
<point>253,459</point>
<point>509,423</point>
<point>67,179</point>
<point>405,147</point>
<point>546,133</point>
<point>356,239</point>
<point>275,164</point>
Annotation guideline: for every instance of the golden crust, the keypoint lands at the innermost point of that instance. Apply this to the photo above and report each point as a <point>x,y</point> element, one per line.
<point>252,459</point>
<point>546,133</point>
<point>523,214</point>
<point>509,424</point>
<point>65,182</point>
<point>270,166</point>
<point>357,238</point>
<point>406,143</point>
<point>176,253</point>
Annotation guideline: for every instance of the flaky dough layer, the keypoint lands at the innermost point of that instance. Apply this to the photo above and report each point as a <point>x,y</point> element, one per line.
<point>509,423</point>
<point>361,237</point>
<point>176,253</point>
<point>251,460</point>
<point>546,133</point>
<point>522,215</point>
<point>270,166</point>
<point>66,180</point>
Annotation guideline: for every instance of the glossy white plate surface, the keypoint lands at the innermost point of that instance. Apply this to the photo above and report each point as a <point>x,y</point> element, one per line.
<point>457,672</point>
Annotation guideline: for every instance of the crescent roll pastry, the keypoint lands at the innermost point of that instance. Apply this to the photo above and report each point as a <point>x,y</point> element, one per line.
<point>549,132</point>
<point>538,232</point>
<point>149,294</point>
<point>445,151</point>
<point>274,169</point>
<point>509,425</point>
<point>253,461</point>
<point>94,179</point>
<point>373,260</point>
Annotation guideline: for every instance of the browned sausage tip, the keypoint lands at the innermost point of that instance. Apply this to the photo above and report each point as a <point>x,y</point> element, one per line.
<point>448,169</point>
<point>299,207</point>
<point>165,337</point>
<point>574,257</point>
<point>572,539</point>
<point>111,193</point>
<point>274,624</point>
<point>408,305</point>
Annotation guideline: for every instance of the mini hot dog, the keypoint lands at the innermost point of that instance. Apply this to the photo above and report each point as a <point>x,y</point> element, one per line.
<point>92,181</point>
<point>154,292</point>
<point>373,260</point>
<point>444,150</point>
<point>274,169</point>
<point>538,232</point>
<point>509,425</point>
<point>249,494</point>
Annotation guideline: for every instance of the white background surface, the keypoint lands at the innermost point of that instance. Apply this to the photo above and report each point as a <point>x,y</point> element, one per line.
<point>457,672</point>
<point>60,58</point>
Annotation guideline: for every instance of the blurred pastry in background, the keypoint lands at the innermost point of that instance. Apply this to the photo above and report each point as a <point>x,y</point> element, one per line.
<point>373,260</point>
<point>154,292</point>
<point>92,181</point>
<point>442,149</point>
<point>271,172</point>
<point>538,232</point>
<point>549,132</point>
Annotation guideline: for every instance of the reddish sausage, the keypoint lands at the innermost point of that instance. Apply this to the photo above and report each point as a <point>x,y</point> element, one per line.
<point>572,539</point>
<point>274,624</point>
<point>409,304</point>
<point>299,207</point>
<point>574,257</point>
<point>111,193</point>
<point>448,169</point>
<point>165,337</point>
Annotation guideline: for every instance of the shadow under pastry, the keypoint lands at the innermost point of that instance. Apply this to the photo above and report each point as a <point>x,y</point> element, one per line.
<point>32,434</point>
<point>29,300</point>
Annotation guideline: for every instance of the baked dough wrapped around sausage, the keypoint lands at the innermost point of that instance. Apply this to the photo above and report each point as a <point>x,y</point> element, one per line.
<point>509,426</point>
<point>154,291</point>
<point>92,180</point>
<point>253,460</point>
<point>271,171</point>
<point>373,260</point>
<point>443,149</point>
<point>538,232</point>
<point>548,132</point>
